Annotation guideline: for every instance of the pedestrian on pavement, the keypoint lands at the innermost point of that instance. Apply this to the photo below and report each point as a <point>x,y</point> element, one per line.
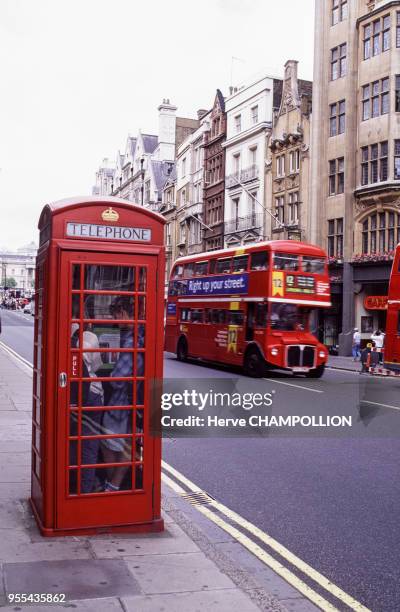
<point>356,344</point>
<point>365,358</point>
<point>379,338</point>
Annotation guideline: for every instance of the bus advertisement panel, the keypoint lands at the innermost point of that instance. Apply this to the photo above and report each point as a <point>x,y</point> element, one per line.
<point>253,306</point>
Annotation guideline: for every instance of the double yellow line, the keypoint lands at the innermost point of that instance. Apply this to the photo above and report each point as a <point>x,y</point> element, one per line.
<point>279,568</point>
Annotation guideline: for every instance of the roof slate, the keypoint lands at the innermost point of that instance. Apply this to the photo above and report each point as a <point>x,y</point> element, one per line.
<point>150,142</point>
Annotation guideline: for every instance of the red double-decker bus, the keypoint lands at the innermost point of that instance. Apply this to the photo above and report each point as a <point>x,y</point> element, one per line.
<point>250,307</point>
<point>392,337</point>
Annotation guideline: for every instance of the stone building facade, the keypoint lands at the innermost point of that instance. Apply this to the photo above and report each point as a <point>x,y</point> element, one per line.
<point>355,153</point>
<point>249,114</point>
<point>189,190</point>
<point>141,171</point>
<point>214,176</point>
<point>287,165</point>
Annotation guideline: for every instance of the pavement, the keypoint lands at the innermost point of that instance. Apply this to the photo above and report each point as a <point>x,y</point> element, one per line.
<point>343,363</point>
<point>178,569</point>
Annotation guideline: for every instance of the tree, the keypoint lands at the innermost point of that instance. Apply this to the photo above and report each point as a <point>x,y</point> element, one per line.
<point>10,282</point>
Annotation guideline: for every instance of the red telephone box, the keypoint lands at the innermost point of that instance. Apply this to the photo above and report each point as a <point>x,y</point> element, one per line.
<point>97,346</point>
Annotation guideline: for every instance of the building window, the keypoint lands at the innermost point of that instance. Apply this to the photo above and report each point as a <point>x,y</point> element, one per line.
<point>397,94</point>
<point>397,160</point>
<point>294,160</point>
<point>398,29</point>
<point>383,162</point>
<point>338,62</point>
<point>375,99</point>
<point>339,11</point>
<point>380,232</point>
<point>336,176</point>
<point>293,206</point>
<point>374,163</point>
<point>147,192</point>
<point>182,232</point>
<point>337,120</point>
<point>168,234</point>
<point>238,123</point>
<point>183,167</point>
<point>335,238</point>
<point>254,114</point>
<point>236,163</point>
<point>376,37</point>
<point>253,156</point>
<point>279,211</point>
<point>280,165</point>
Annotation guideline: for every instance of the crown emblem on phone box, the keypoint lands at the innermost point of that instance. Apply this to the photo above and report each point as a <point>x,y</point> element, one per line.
<point>109,214</point>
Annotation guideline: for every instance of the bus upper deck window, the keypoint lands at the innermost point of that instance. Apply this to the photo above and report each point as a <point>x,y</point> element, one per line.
<point>240,263</point>
<point>201,268</point>
<point>286,261</point>
<point>259,261</point>
<point>223,266</point>
<point>178,272</point>
<point>188,271</point>
<point>212,266</point>
<point>315,265</point>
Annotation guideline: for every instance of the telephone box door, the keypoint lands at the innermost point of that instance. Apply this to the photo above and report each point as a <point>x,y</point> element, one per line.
<point>106,356</point>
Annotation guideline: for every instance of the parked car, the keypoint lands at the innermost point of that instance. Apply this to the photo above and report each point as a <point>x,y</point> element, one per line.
<point>28,309</point>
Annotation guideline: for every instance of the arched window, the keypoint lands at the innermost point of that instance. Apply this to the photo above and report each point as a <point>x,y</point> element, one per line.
<point>380,232</point>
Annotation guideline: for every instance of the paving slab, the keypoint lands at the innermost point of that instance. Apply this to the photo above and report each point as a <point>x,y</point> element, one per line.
<point>14,473</point>
<point>12,515</point>
<point>17,446</point>
<point>223,600</point>
<point>177,573</point>
<point>172,540</point>
<point>94,578</point>
<point>14,490</point>
<point>16,546</point>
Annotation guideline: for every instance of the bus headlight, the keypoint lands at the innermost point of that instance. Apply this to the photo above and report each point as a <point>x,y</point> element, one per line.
<point>321,354</point>
<point>274,351</point>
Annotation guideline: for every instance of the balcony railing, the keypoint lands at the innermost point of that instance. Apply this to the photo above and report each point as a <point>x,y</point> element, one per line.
<point>242,176</point>
<point>249,174</point>
<point>241,224</point>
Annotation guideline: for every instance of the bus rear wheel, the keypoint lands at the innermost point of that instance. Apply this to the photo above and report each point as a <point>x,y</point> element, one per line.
<point>254,364</point>
<point>182,350</point>
<point>316,372</point>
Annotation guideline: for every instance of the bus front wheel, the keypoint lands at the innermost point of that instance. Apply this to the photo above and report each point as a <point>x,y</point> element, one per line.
<point>182,350</point>
<point>316,372</point>
<point>254,364</point>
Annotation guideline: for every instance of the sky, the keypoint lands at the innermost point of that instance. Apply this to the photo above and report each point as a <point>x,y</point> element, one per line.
<point>78,76</point>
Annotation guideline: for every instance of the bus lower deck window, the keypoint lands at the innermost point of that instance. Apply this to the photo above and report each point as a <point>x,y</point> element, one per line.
<point>196,315</point>
<point>259,261</point>
<point>185,314</point>
<point>236,317</point>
